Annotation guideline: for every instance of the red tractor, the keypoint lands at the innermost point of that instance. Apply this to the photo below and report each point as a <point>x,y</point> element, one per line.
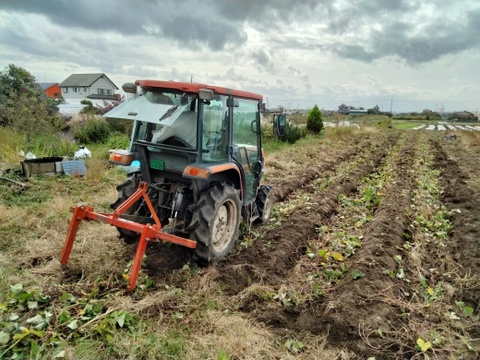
<point>200,159</point>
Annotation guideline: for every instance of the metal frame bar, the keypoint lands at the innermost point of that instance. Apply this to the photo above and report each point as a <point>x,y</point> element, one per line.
<point>148,232</point>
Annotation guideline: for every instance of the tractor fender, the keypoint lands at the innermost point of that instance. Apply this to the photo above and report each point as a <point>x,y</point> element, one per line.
<point>228,172</point>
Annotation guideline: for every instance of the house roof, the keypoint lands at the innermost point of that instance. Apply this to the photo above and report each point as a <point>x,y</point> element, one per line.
<point>102,96</point>
<point>84,80</point>
<point>47,85</point>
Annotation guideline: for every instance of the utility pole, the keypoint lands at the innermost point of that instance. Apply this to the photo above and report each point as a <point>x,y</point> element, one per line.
<point>391,105</point>
<point>191,78</point>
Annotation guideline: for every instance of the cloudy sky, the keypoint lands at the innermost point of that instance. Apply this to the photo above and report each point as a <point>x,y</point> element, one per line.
<point>407,55</point>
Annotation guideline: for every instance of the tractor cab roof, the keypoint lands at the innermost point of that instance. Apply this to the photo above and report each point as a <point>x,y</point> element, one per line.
<point>194,88</point>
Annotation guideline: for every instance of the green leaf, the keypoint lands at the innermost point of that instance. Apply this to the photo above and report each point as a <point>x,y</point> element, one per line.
<point>67,297</point>
<point>4,338</point>
<point>424,345</point>
<point>357,274</point>
<point>73,324</point>
<point>36,319</point>
<point>439,341</point>
<point>294,346</point>
<point>60,355</point>
<point>63,317</point>
<point>32,305</point>
<point>24,296</point>
<point>337,256</point>
<point>121,320</point>
<point>400,274</point>
<point>460,304</point>
<point>34,349</point>
<point>467,311</point>
<point>16,289</point>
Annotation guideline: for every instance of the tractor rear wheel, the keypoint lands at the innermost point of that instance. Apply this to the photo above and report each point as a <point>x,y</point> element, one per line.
<point>125,190</point>
<point>264,202</point>
<point>215,222</point>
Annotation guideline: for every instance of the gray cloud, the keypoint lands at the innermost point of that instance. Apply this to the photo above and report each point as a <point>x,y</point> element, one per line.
<point>305,79</point>
<point>262,60</point>
<point>416,31</point>
<point>187,22</point>
<point>431,42</point>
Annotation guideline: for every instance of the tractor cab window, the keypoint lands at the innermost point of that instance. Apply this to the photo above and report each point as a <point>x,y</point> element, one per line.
<point>215,129</point>
<point>245,141</point>
<point>172,119</point>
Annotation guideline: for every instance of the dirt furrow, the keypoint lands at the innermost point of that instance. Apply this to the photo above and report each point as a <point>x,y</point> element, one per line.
<point>354,304</point>
<point>285,182</point>
<point>465,232</point>
<point>271,265</point>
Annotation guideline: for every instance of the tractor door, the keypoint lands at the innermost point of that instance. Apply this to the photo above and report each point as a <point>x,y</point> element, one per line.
<point>246,143</point>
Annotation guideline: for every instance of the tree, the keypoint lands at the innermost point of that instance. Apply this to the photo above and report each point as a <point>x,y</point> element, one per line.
<point>314,120</point>
<point>374,110</point>
<point>23,104</point>
<point>15,79</point>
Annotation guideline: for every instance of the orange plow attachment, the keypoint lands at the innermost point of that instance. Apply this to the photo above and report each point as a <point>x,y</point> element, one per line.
<point>148,232</point>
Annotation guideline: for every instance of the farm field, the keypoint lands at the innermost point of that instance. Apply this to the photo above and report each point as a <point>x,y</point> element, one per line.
<point>445,127</point>
<point>373,252</point>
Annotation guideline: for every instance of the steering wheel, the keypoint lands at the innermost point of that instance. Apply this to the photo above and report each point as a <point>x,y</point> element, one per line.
<point>214,140</point>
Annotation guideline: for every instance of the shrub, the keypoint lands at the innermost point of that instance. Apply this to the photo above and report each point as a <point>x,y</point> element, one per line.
<point>13,142</point>
<point>94,130</point>
<point>50,145</point>
<point>314,120</point>
<point>120,125</point>
<point>89,108</point>
<point>293,133</point>
<point>385,122</point>
<point>267,133</point>
<point>118,141</point>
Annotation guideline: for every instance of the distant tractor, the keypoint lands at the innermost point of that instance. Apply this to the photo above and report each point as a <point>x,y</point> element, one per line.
<point>200,159</point>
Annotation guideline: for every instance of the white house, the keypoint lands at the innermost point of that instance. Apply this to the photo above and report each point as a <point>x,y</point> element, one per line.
<point>78,87</point>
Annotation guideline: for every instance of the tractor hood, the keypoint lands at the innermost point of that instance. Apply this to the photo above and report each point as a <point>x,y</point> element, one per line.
<point>141,108</point>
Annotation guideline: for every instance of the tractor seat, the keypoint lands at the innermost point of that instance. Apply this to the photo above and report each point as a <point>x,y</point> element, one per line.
<point>176,141</point>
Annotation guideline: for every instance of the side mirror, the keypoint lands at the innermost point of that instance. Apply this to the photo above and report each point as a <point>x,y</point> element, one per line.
<point>257,168</point>
<point>129,88</point>
<point>279,124</point>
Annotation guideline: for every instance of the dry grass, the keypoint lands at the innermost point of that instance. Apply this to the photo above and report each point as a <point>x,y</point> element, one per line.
<point>10,145</point>
<point>470,139</point>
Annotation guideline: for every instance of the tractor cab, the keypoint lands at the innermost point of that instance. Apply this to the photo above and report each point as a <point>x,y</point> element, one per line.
<point>196,132</point>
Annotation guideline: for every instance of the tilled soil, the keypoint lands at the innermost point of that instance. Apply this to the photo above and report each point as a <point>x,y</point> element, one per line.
<point>351,313</point>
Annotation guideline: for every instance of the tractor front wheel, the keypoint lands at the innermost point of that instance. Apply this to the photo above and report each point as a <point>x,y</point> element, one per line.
<point>215,222</point>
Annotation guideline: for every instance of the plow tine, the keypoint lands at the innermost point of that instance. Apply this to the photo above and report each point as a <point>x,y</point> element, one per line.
<point>137,261</point>
<point>78,215</point>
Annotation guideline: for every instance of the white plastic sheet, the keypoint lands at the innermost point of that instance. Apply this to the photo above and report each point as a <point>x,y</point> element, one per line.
<point>83,153</point>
